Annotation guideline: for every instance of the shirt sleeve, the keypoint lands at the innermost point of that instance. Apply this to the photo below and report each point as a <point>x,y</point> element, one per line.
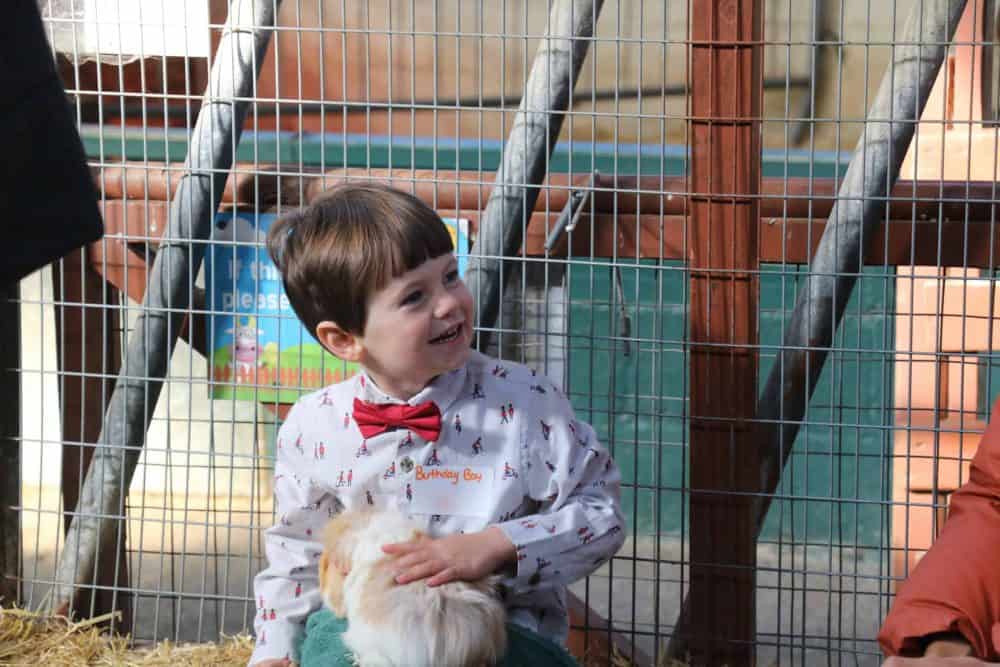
<point>955,588</point>
<point>287,590</point>
<point>579,524</point>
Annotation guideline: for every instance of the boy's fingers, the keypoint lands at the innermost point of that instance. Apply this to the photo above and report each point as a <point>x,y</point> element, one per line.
<point>420,571</point>
<point>409,560</point>
<point>397,548</point>
<point>445,576</point>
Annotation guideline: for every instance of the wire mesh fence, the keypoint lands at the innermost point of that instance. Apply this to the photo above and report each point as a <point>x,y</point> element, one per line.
<point>661,319</point>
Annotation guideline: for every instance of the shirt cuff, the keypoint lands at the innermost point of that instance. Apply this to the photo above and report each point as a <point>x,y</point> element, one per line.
<point>536,551</point>
<point>276,640</point>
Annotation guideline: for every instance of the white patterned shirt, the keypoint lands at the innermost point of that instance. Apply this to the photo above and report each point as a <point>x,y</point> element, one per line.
<point>510,453</point>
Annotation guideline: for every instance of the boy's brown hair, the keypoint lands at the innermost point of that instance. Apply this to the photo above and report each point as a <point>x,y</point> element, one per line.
<point>348,244</point>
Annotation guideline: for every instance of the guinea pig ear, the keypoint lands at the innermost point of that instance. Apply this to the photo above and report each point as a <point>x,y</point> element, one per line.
<point>331,585</point>
<point>339,533</point>
<point>324,566</point>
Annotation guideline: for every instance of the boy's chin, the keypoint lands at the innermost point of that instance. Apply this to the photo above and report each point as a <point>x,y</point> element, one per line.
<point>458,360</point>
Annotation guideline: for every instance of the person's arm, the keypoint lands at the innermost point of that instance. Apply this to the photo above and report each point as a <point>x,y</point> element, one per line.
<point>579,524</point>
<point>287,591</point>
<point>953,595</point>
<point>897,661</point>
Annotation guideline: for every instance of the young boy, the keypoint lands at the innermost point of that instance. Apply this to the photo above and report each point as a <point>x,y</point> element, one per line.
<point>370,271</point>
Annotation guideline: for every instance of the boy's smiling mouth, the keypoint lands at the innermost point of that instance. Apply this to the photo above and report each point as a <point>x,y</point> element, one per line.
<point>449,335</point>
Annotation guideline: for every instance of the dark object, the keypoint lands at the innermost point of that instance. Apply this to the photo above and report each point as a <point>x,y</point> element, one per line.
<point>46,193</point>
<point>10,447</point>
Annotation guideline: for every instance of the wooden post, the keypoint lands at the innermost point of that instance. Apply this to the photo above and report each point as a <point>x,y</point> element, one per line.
<point>725,76</point>
<point>89,355</point>
<point>10,446</point>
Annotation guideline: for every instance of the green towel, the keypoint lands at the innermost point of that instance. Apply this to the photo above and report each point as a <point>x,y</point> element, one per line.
<point>322,646</point>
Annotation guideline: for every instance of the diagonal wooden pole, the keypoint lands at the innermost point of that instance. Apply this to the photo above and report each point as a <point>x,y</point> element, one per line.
<point>526,155</point>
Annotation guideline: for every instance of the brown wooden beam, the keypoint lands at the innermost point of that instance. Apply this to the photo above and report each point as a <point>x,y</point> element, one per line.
<point>88,355</point>
<point>789,239</point>
<point>265,185</point>
<point>929,223</point>
<point>725,77</point>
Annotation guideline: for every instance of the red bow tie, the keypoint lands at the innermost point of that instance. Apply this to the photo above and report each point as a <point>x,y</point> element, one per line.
<point>375,418</point>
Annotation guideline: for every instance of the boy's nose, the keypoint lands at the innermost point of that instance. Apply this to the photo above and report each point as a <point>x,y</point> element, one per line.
<point>447,303</point>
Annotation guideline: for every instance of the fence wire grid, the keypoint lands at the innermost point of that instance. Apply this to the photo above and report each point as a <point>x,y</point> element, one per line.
<point>423,94</point>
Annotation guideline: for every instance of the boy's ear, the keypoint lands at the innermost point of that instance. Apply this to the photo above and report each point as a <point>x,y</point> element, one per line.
<point>340,343</point>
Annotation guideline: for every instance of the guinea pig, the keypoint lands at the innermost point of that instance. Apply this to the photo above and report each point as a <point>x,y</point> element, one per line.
<point>458,624</point>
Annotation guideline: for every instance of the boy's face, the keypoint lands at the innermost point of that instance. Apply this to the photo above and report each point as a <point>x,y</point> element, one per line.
<point>419,326</point>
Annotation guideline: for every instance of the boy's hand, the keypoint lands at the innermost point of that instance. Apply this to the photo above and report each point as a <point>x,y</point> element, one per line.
<point>458,557</point>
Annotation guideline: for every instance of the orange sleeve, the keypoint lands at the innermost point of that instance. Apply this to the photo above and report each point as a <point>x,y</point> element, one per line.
<point>956,586</point>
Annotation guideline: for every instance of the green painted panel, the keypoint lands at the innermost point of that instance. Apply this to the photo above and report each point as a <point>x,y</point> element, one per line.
<point>837,476</point>
<point>338,150</point>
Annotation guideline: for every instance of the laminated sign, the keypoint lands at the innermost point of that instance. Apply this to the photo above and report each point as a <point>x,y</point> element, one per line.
<point>260,350</point>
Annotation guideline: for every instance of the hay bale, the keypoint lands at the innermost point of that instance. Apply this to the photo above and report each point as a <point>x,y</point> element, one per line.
<point>28,638</point>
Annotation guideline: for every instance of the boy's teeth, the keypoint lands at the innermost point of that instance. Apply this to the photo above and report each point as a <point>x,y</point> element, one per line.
<point>451,333</point>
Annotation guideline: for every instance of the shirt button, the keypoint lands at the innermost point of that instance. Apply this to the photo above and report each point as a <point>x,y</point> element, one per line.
<point>406,464</point>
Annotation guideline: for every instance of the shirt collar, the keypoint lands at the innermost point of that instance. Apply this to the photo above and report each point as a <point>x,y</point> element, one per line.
<point>443,389</point>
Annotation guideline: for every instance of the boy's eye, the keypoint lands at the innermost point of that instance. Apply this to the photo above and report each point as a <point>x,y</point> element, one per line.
<point>451,276</point>
<point>412,297</point>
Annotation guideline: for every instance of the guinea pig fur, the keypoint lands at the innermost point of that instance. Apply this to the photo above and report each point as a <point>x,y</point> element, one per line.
<point>458,624</point>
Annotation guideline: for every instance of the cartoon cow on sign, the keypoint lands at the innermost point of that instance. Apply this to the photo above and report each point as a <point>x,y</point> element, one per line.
<point>246,355</point>
<point>241,233</point>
